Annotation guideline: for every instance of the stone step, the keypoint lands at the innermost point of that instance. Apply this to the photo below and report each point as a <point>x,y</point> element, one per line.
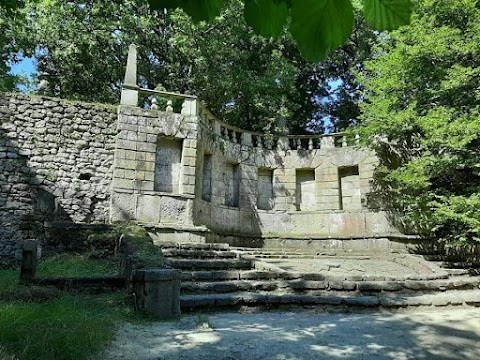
<point>284,252</point>
<point>457,272</point>
<point>288,275</point>
<point>381,301</point>
<point>195,287</point>
<point>211,264</point>
<point>286,256</point>
<point>193,246</point>
<point>199,254</point>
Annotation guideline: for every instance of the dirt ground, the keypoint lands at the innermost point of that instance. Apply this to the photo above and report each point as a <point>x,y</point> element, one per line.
<point>303,334</point>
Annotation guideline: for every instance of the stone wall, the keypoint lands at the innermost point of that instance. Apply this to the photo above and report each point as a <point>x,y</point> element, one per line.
<point>189,177</point>
<point>56,162</point>
<point>186,176</point>
<point>155,167</point>
<point>316,192</point>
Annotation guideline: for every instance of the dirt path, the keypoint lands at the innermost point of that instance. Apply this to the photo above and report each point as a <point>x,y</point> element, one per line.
<point>440,334</point>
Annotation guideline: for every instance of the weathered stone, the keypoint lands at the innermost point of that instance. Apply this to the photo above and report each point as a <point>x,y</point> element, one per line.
<point>158,292</point>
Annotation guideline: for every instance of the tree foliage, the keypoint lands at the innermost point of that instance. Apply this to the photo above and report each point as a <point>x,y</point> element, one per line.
<point>318,26</point>
<point>10,20</point>
<point>243,78</point>
<point>422,115</point>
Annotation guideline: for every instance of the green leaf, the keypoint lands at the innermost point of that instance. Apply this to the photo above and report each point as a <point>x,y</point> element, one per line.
<point>387,14</point>
<point>320,26</point>
<point>199,10</point>
<point>164,4</point>
<point>266,17</point>
<point>202,10</point>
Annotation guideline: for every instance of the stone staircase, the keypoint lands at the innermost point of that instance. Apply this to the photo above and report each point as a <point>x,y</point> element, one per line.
<point>216,276</point>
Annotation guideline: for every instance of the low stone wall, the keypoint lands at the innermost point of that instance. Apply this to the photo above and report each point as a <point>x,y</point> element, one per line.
<point>56,162</point>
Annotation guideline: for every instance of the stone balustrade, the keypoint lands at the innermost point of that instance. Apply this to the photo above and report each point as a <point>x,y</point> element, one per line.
<point>239,136</point>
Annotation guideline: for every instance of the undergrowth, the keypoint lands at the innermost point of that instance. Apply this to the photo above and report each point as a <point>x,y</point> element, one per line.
<point>44,323</point>
<point>77,265</point>
<point>69,327</point>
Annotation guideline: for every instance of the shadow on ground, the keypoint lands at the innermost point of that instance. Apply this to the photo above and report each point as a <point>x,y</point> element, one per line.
<point>441,335</point>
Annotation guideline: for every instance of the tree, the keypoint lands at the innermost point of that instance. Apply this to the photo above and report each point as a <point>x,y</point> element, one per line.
<point>244,79</point>
<point>318,26</point>
<point>422,115</point>
<point>10,20</point>
<point>81,47</point>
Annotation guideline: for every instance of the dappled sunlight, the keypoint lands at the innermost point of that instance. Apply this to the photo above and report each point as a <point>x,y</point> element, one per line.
<point>337,352</point>
<point>447,334</point>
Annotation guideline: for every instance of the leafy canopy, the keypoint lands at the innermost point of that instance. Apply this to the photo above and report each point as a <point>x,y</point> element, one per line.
<point>422,115</point>
<point>245,79</point>
<point>318,26</point>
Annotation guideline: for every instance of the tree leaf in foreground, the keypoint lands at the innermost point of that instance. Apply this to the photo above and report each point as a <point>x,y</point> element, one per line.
<point>266,17</point>
<point>387,14</point>
<point>320,26</point>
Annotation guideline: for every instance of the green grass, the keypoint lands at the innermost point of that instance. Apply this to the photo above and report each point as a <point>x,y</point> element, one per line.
<point>70,327</point>
<point>8,280</point>
<point>43,323</point>
<point>76,265</point>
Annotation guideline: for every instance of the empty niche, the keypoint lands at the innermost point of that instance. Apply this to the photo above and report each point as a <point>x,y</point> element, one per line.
<point>168,164</point>
<point>207,178</point>
<point>349,184</point>
<point>306,193</point>
<point>232,184</point>
<point>265,199</point>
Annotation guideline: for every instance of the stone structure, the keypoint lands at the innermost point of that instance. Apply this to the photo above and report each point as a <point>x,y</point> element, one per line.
<point>187,176</point>
<point>157,291</point>
<point>56,162</point>
<point>196,178</point>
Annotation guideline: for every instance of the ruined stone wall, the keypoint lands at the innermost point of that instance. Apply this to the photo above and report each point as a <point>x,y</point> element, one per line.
<point>56,162</point>
<point>155,168</point>
<point>316,192</point>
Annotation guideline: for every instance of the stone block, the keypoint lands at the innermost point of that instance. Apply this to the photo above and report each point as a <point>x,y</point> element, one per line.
<point>145,165</point>
<point>126,144</point>
<point>123,207</point>
<point>148,209</point>
<point>146,146</point>
<point>144,185</point>
<point>126,164</point>
<point>158,292</point>
<point>123,184</point>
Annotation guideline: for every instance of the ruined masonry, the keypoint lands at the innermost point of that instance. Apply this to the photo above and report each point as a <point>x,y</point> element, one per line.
<point>186,176</point>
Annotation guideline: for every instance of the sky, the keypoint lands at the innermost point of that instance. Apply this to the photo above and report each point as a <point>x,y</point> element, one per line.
<point>26,67</point>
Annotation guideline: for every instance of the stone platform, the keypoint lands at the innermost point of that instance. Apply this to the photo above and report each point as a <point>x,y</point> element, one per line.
<point>213,278</point>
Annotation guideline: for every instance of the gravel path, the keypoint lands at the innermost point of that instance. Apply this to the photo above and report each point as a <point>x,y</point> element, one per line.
<point>439,334</point>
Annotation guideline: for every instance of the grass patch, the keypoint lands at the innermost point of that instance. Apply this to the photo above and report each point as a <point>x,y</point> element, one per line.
<point>44,323</point>
<point>77,265</point>
<point>9,280</point>
<point>71,327</point>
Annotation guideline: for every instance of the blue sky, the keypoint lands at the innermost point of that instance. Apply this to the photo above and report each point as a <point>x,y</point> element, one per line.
<point>27,65</point>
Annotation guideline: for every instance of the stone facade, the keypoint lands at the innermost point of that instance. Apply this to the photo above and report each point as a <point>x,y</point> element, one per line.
<point>190,177</point>
<point>56,162</point>
<point>186,176</point>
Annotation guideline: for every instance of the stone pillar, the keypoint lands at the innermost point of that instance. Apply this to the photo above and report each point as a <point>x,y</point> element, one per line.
<point>327,142</point>
<point>190,107</point>
<point>157,291</point>
<point>246,139</point>
<point>130,89</point>
<point>29,261</point>
<point>283,144</point>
